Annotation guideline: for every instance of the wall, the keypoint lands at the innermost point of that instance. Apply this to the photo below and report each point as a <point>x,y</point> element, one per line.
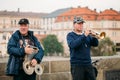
<point>56,68</point>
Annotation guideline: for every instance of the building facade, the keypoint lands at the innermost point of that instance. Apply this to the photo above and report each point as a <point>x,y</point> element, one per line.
<point>60,23</point>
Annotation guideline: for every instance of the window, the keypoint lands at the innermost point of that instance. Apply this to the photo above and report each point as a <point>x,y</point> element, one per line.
<point>47,20</point>
<point>88,16</point>
<point>43,21</point>
<point>38,32</point>
<point>102,18</point>
<point>69,18</point>
<point>3,23</point>
<point>44,32</point>
<point>114,24</point>
<point>4,36</point>
<point>4,27</point>
<point>34,23</point>
<point>113,34</point>
<point>50,20</point>
<point>15,22</point>
<point>11,23</point>
<point>102,24</point>
<point>63,18</point>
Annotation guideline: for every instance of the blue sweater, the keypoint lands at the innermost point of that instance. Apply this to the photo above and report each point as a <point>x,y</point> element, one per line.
<point>79,46</point>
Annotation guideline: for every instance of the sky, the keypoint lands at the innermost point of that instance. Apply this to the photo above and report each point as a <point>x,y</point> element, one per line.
<point>47,6</point>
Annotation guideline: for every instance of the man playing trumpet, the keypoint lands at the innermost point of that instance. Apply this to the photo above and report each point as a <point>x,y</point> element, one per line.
<point>80,42</point>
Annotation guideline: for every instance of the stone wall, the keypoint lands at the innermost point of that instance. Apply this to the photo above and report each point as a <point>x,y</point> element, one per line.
<point>59,68</point>
<point>108,64</point>
<point>56,70</point>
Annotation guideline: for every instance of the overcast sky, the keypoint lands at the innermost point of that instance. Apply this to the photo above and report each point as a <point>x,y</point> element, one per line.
<point>48,6</point>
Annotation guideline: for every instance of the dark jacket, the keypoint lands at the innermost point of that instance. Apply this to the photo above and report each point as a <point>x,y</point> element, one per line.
<point>18,53</point>
<point>79,46</point>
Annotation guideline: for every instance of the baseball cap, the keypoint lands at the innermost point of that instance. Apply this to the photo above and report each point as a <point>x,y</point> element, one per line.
<point>78,20</point>
<point>23,21</point>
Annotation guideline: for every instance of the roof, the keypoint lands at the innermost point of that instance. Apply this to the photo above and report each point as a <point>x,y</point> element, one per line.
<point>88,14</point>
<point>84,12</point>
<point>21,14</point>
<point>109,14</point>
<point>56,13</point>
<point>79,11</point>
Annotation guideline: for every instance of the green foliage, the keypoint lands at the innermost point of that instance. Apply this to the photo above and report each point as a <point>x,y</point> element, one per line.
<point>51,45</point>
<point>106,47</point>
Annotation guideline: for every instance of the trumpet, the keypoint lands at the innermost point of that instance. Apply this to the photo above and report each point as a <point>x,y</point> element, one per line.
<point>98,35</point>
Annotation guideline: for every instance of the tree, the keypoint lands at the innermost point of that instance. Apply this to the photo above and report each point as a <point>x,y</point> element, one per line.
<point>106,47</point>
<point>51,45</point>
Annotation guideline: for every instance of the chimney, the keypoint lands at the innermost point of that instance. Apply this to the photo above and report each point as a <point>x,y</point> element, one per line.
<point>111,8</point>
<point>86,7</point>
<point>71,7</point>
<point>18,9</point>
<point>5,10</point>
<point>79,7</point>
<point>95,9</point>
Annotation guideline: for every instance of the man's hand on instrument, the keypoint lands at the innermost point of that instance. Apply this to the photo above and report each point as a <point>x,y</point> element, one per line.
<point>28,50</point>
<point>87,32</point>
<point>33,62</point>
<point>36,50</point>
